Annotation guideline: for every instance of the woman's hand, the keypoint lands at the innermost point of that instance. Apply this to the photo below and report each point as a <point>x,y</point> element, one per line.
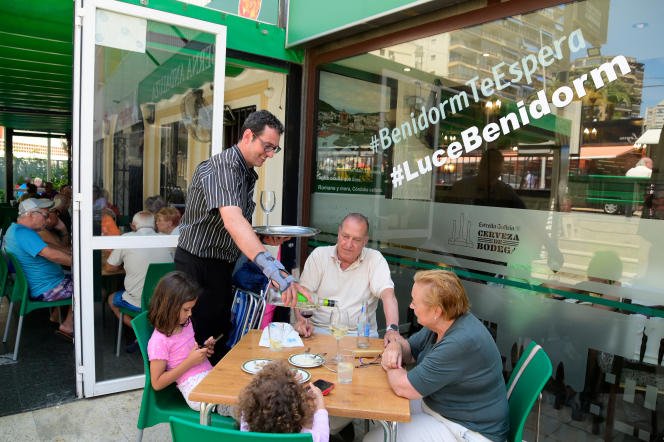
<point>392,355</point>
<point>318,396</point>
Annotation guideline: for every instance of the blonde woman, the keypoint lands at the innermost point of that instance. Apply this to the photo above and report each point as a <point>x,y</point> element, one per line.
<point>456,386</point>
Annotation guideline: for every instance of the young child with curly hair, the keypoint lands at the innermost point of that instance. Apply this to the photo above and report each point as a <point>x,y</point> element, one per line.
<point>275,402</point>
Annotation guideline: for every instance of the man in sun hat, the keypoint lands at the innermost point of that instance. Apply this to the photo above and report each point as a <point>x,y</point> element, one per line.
<point>41,263</point>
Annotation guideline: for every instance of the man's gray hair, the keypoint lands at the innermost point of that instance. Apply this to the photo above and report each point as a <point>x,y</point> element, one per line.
<point>143,219</point>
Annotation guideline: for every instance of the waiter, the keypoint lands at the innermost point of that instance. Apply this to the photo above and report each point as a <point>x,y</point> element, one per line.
<point>216,227</point>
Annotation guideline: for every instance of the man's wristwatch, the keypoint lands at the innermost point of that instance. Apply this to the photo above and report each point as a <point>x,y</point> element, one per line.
<point>392,327</point>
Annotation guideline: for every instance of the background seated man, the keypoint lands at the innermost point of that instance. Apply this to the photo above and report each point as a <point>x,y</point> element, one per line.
<point>41,262</point>
<point>486,188</point>
<point>350,274</point>
<point>55,232</point>
<point>136,262</point>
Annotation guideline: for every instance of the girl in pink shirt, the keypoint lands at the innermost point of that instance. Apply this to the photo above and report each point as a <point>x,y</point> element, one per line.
<point>275,402</point>
<point>173,352</point>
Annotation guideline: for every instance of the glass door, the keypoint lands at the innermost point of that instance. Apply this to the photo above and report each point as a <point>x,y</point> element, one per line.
<point>149,85</point>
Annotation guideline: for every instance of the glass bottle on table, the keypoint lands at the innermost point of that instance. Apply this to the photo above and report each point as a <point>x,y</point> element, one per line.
<point>363,327</point>
<point>273,296</point>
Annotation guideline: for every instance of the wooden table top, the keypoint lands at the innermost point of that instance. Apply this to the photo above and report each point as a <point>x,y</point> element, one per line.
<point>369,396</point>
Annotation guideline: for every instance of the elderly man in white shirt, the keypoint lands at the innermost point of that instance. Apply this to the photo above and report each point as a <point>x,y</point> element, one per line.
<point>350,274</point>
<point>135,262</point>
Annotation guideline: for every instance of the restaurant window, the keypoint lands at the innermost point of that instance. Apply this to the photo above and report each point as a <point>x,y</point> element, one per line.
<point>525,154</point>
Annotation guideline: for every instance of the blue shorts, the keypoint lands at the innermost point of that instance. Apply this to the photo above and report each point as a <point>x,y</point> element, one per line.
<point>119,302</point>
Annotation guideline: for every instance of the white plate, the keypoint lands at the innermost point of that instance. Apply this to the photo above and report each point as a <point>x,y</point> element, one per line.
<point>304,375</point>
<point>255,365</point>
<point>306,360</point>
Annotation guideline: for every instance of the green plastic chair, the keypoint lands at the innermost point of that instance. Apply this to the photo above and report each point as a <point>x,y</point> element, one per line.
<point>185,431</point>
<point>21,292</point>
<point>158,406</point>
<point>154,273</point>
<point>4,277</point>
<point>524,388</point>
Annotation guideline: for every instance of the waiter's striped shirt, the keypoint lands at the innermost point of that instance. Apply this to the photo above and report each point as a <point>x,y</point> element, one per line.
<point>223,180</point>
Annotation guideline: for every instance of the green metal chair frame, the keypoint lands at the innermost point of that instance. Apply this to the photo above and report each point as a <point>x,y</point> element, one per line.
<point>158,406</point>
<point>524,388</point>
<point>183,431</point>
<point>152,276</point>
<point>21,292</point>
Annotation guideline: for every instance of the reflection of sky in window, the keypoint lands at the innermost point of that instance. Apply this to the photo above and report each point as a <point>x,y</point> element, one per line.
<point>643,44</point>
<point>352,95</point>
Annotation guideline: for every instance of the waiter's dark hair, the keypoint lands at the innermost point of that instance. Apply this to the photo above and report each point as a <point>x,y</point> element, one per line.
<point>256,122</point>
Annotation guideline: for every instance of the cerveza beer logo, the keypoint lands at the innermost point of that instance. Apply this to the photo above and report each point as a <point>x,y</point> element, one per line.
<point>496,237</point>
<point>461,232</point>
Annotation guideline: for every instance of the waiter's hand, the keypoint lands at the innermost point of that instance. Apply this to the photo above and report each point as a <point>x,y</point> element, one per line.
<point>289,296</point>
<point>274,240</point>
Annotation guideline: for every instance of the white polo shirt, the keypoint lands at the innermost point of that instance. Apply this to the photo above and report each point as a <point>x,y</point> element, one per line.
<point>363,280</point>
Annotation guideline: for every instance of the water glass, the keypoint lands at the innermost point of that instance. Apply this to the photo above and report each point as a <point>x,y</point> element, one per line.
<point>345,367</point>
<point>275,334</point>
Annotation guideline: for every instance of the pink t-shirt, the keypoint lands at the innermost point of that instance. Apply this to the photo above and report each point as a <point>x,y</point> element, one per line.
<point>174,349</point>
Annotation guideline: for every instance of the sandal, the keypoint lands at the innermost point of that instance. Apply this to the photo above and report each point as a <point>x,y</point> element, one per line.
<point>64,335</point>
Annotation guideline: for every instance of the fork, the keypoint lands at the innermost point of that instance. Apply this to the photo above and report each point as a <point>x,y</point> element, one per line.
<point>331,369</point>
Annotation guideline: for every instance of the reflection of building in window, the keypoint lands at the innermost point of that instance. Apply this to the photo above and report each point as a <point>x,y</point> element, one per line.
<point>655,116</point>
<point>618,99</point>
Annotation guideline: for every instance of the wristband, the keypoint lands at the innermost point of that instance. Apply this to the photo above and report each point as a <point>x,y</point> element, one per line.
<point>272,269</point>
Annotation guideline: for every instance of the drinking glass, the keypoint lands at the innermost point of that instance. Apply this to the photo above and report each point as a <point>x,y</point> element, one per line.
<point>268,201</point>
<point>306,314</point>
<point>275,334</point>
<point>339,325</point>
<point>345,367</point>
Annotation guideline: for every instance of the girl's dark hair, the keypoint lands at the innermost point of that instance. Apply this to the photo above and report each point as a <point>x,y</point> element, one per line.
<point>173,290</point>
<point>275,402</point>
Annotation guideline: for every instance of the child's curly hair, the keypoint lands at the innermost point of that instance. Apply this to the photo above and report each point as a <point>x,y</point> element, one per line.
<point>275,402</point>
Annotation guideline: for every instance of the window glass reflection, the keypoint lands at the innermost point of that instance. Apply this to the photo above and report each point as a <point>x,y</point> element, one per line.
<point>153,122</point>
<point>526,154</point>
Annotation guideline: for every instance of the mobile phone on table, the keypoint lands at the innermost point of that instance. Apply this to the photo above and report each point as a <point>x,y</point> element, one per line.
<point>324,386</point>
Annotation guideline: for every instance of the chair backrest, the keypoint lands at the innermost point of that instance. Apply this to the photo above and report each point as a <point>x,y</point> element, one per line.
<point>4,272</point>
<point>246,313</point>
<point>183,430</point>
<point>143,330</point>
<point>21,289</point>
<point>532,372</point>
<point>154,273</point>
